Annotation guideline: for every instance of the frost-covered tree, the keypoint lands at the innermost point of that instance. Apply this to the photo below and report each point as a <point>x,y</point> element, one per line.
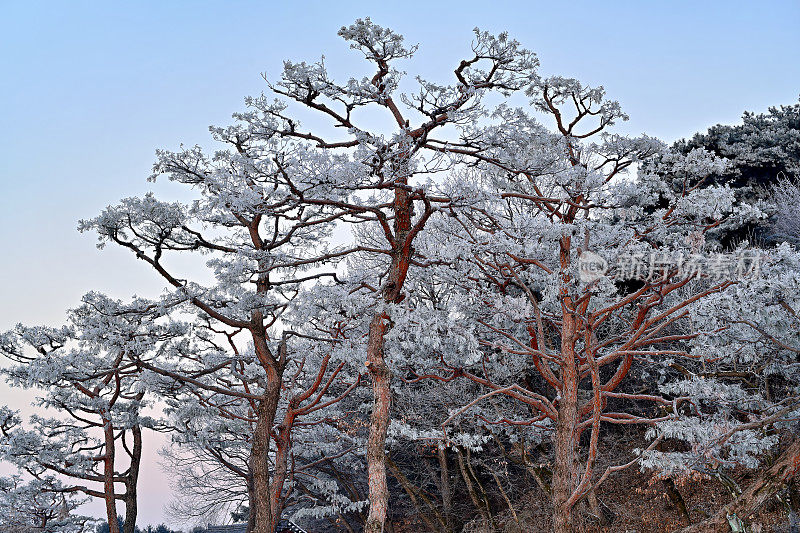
<point>742,387</point>
<point>274,194</point>
<point>520,250</point>
<point>763,152</point>
<point>383,181</point>
<point>762,148</point>
<point>785,223</point>
<point>211,413</point>
<point>209,474</point>
<point>260,245</point>
<point>86,377</point>
<point>39,506</point>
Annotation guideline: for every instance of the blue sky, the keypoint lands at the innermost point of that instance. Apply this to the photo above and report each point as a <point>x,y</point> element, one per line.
<point>88,91</point>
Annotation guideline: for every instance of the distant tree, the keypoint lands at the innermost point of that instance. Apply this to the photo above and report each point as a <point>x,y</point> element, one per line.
<point>161,528</point>
<point>83,371</point>
<point>762,148</point>
<point>207,463</point>
<point>762,151</point>
<point>785,223</point>
<point>240,514</point>
<point>39,506</point>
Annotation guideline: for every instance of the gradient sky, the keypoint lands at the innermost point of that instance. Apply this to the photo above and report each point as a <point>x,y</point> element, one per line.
<point>89,90</point>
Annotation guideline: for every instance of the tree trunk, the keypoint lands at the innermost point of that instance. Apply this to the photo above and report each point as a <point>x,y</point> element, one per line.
<point>473,494</point>
<point>605,516</point>
<point>793,501</point>
<point>251,501</point>
<point>447,495</point>
<point>264,519</point>
<point>565,468</point>
<point>108,476</point>
<point>283,444</point>
<point>400,240</point>
<point>415,494</point>
<point>506,497</point>
<point>378,426</point>
<point>392,292</point>
<point>131,493</point>
<point>774,479</point>
<point>565,471</point>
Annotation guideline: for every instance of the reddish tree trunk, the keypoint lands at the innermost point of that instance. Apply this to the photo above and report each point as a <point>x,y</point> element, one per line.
<point>261,501</point>
<point>108,476</point>
<point>378,426</point>
<point>283,444</point>
<point>264,519</point>
<point>565,471</point>
<point>376,364</point>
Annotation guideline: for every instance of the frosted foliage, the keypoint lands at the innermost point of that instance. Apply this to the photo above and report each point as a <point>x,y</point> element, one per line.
<point>786,220</point>
<point>751,331</point>
<point>89,388</point>
<point>39,506</point>
<point>507,232</point>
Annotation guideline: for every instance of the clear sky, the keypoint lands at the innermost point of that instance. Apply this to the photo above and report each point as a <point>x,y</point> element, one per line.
<point>89,90</point>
